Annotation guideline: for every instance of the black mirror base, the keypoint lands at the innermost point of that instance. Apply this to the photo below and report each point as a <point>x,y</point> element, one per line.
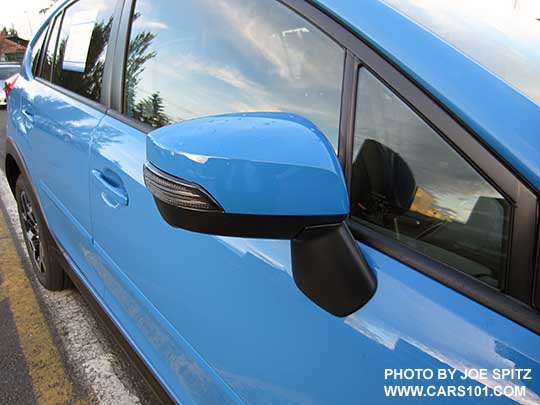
<point>330,269</point>
<point>241,225</point>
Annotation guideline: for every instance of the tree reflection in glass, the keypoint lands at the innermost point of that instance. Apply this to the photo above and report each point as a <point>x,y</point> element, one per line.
<point>201,58</point>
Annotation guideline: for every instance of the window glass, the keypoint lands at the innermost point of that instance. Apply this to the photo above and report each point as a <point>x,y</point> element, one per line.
<point>205,57</point>
<point>82,47</point>
<point>410,184</point>
<point>46,68</point>
<point>36,51</point>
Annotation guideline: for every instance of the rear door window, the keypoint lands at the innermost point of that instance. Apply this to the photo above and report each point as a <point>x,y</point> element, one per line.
<point>82,47</point>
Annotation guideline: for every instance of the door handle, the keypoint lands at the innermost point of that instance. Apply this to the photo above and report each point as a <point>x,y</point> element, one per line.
<point>113,195</point>
<point>27,122</point>
<point>28,114</point>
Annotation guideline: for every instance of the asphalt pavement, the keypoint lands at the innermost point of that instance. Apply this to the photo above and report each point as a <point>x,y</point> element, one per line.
<point>53,348</point>
<point>15,383</point>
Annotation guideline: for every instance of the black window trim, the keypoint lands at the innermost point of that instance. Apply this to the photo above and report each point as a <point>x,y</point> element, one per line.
<point>43,50</point>
<point>348,105</point>
<point>536,295</point>
<point>108,71</point>
<point>50,30</point>
<point>60,19</point>
<point>45,33</point>
<point>516,302</point>
<point>121,56</point>
<point>45,45</point>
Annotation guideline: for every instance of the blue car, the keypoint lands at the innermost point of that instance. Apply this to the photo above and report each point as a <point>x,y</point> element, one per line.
<point>323,201</point>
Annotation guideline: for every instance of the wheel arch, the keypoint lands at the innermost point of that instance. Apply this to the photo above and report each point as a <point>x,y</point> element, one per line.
<point>12,171</point>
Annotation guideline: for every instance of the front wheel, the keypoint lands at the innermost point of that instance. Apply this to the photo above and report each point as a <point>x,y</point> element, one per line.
<point>47,270</point>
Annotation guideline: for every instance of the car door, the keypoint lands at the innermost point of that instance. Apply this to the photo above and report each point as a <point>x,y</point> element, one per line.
<point>417,205</point>
<point>62,108</point>
<point>220,319</point>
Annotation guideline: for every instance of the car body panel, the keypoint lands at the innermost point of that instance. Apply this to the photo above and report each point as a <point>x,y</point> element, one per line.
<point>57,131</point>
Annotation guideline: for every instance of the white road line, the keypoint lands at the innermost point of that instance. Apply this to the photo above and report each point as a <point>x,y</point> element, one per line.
<point>86,348</point>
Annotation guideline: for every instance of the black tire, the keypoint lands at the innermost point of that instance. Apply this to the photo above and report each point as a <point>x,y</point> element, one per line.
<point>36,237</point>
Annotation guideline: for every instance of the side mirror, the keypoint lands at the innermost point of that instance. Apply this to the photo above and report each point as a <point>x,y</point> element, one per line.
<point>264,175</point>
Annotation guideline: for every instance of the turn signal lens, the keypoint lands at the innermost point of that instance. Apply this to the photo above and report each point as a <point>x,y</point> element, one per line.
<point>178,192</point>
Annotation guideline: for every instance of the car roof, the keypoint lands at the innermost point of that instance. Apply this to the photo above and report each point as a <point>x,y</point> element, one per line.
<point>481,67</point>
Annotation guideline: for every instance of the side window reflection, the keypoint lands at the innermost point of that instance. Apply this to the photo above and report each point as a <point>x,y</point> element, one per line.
<point>48,58</point>
<point>206,57</point>
<point>82,45</point>
<point>36,51</point>
<point>410,184</point>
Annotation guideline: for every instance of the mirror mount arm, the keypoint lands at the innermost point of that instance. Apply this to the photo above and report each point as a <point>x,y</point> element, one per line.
<point>330,269</point>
